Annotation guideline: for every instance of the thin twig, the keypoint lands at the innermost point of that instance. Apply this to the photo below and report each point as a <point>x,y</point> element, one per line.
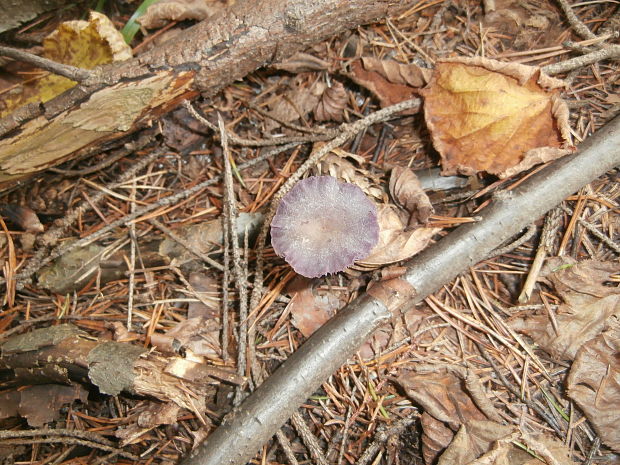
<point>286,447</point>
<point>238,274</point>
<point>236,140</point>
<point>381,438</point>
<point>522,239</point>
<point>308,439</point>
<point>68,71</point>
<point>595,232</point>
<point>605,53</point>
<point>547,237</point>
<point>578,26</point>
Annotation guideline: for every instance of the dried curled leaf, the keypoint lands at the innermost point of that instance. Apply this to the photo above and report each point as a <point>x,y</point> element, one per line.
<point>332,104</point>
<point>502,118</point>
<point>594,384</point>
<point>396,242</point>
<point>411,74</point>
<point>589,304</point>
<point>386,91</point>
<point>407,191</point>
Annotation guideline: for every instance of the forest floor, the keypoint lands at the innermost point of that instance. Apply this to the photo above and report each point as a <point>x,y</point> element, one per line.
<point>494,366</point>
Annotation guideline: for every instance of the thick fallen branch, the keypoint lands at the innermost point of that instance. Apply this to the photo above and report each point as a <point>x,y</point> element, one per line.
<point>247,428</point>
<point>123,97</point>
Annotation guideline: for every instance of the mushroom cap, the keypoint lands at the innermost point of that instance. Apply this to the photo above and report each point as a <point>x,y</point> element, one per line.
<point>323,226</point>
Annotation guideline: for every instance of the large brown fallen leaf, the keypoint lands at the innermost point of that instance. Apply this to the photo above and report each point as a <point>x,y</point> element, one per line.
<point>84,44</point>
<point>589,305</point>
<point>502,118</point>
<point>594,385</point>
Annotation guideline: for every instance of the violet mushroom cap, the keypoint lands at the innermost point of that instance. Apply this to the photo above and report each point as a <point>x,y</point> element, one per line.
<point>323,226</point>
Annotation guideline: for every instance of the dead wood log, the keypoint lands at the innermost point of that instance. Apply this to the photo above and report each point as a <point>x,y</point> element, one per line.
<point>249,426</point>
<point>126,96</point>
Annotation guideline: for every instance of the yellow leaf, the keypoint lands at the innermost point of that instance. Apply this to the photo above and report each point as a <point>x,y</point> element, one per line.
<point>84,44</point>
<point>501,118</point>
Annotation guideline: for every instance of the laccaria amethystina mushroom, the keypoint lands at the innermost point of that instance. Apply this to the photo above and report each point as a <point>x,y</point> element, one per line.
<point>323,226</point>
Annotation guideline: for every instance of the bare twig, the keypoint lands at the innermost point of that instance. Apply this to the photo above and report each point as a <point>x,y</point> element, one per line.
<point>552,222</point>
<point>575,22</point>
<point>236,140</point>
<point>68,71</point>
<point>309,439</point>
<point>605,53</point>
<point>238,273</point>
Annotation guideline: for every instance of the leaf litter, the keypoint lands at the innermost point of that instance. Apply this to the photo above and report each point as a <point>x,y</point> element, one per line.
<point>490,395</point>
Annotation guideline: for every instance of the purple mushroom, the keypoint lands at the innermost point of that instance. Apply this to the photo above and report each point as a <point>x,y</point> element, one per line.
<point>323,226</point>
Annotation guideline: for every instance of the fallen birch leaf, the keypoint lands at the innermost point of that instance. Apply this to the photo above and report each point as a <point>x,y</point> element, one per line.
<point>502,118</point>
<point>84,44</point>
<point>594,385</point>
<point>492,443</point>
<point>589,304</point>
<point>407,191</point>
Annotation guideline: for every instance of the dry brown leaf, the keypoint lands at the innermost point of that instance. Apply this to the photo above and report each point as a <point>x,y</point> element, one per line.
<point>207,287</point>
<point>302,63</point>
<point>502,118</point>
<point>387,92</point>
<point>297,102</point>
<point>24,217</point>
<point>436,437</point>
<point>395,242</point>
<point>475,438</point>
<point>441,395</point>
<point>310,308</point>
<point>411,75</point>
<point>332,104</point>
<point>407,191</point>
<point>589,304</point>
<point>594,384</point>
<point>164,11</point>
